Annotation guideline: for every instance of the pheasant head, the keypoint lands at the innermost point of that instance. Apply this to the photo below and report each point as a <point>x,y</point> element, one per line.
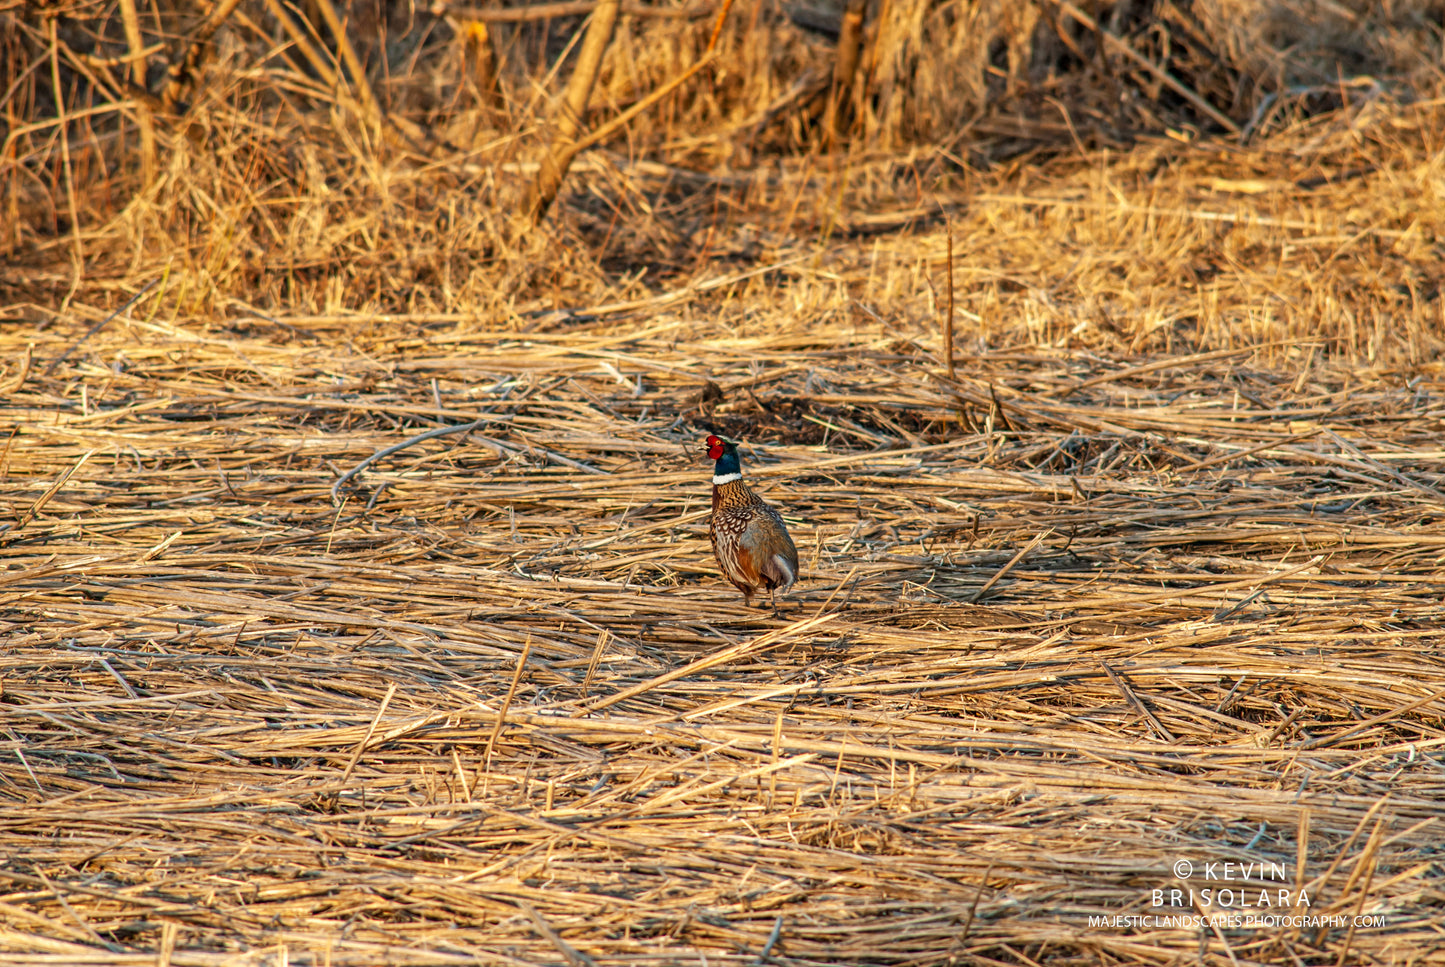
<point>727,467</point>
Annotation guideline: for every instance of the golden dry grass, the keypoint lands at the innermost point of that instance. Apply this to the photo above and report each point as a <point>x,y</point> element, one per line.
<point>258,727</point>
<point>1156,578</point>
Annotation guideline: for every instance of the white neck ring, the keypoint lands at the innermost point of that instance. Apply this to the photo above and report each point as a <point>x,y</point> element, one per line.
<point>718,479</point>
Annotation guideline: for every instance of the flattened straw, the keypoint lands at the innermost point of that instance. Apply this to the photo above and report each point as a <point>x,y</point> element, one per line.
<point>849,576</point>
<point>335,522</point>
<point>757,772</point>
<point>1372,846</point>
<point>497,445</point>
<point>548,558</point>
<point>506,704</point>
<point>1317,885</point>
<point>44,498</point>
<point>1252,581</point>
<point>1228,951</point>
<point>571,954</point>
<point>1169,362</point>
<point>361,746</point>
<point>602,638</point>
<point>79,921</point>
<point>1302,846</point>
<point>1226,457</point>
<point>684,293</point>
<point>551,455</point>
<point>996,412</point>
<point>20,754</point>
<point>168,943</point>
<point>770,640</point>
<point>1251,217</point>
<point>461,774</point>
<point>410,441</point>
<point>110,896</point>
<point>978,895</point>
<point>1279,729</point>
<point>27,359</point>
<point>1390,472</point>
<point>1221,614</point>
<point>156,551</point>
<point>118,677</point>
<point>1139,706</point>
<point>1325,740</point>
<point>772,939</point>
<point>998,575</point>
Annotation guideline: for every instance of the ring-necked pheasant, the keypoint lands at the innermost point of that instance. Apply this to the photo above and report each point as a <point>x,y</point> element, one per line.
<point>749,538</point>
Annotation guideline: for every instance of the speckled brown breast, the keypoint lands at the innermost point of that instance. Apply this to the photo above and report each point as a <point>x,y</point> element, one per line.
<point>745,531</point>
<point>726,529</point>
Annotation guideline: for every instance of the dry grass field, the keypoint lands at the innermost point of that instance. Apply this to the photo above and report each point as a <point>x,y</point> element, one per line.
<point>1121,644</point>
